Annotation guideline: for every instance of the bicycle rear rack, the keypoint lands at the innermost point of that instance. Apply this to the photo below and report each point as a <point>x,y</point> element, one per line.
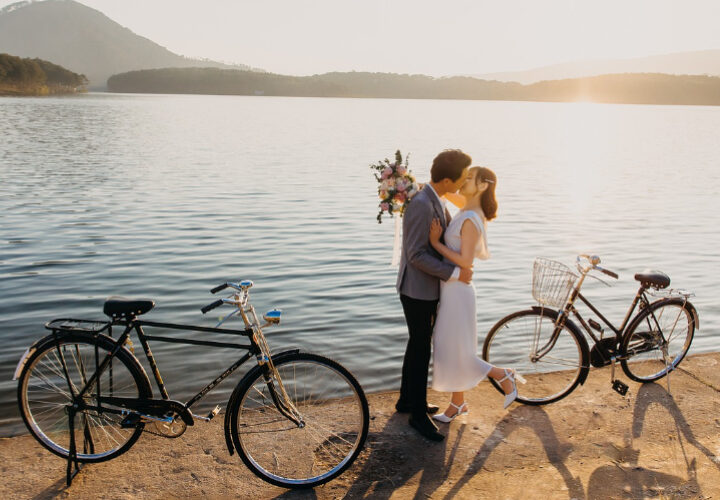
<point>77,325</point>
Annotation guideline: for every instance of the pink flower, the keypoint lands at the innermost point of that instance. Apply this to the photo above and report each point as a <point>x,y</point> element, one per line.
<point>384,207</point>
<point>386,173</point>
<point>401,186</point>
<point>402,170</point>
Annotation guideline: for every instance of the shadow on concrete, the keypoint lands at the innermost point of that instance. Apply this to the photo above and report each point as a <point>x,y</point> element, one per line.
<point>388,466</point>
<point>535,419</point>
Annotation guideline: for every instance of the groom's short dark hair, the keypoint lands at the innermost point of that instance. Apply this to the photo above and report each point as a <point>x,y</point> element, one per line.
<point>449,165</point>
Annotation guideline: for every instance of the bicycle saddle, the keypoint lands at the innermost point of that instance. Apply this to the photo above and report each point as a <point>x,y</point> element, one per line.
<point>649,278</point>
<point>115,307</point>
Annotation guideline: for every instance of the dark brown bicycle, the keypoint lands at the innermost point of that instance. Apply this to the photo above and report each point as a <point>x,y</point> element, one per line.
<point>544,342</point>
<point>296,419</point>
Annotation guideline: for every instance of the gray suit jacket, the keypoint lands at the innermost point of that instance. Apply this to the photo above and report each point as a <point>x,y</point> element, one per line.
<point>421,267</point>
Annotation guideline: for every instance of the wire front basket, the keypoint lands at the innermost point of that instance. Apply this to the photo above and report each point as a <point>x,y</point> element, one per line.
<point>552,282</point>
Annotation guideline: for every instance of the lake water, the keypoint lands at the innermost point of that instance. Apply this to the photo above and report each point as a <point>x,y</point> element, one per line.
<point>167,196</point>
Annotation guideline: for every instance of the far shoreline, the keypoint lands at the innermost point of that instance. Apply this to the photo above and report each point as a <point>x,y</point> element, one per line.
<point>624,88</point>
<point>393,98</point>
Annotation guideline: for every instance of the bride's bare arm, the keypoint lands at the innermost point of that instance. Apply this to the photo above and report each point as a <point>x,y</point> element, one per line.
<point>469,235</point>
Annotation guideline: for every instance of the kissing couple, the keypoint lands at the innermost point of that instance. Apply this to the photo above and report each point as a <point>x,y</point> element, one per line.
<point>436,291</point>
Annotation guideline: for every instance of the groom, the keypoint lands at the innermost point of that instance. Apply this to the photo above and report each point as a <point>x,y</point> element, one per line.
<point>418,283</point>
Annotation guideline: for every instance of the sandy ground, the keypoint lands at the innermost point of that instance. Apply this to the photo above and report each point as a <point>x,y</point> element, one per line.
<point>593,444</point>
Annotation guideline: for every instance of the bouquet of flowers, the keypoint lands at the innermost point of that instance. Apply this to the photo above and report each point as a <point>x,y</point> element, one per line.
<point>396,185</point>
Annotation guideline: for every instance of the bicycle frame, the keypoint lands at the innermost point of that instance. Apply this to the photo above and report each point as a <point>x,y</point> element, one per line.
<point>570,309</point>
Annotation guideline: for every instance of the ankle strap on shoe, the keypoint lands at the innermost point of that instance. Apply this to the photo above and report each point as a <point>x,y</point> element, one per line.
<point>508,375</point>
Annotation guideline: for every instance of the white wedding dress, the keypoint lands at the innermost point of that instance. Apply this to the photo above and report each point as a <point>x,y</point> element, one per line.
<point>456,367</point>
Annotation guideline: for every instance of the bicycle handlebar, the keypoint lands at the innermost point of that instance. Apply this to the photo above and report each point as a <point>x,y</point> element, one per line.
<point>594,260</point>
<point>219,287</point>
<point>610,273</point>
<point>215,304</point>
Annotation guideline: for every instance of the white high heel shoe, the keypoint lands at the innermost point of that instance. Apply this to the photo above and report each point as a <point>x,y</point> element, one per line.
<point>512,376</point>
<point>461,410</point>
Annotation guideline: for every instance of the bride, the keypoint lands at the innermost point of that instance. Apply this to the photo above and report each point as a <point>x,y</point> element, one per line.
<point>456,367</point>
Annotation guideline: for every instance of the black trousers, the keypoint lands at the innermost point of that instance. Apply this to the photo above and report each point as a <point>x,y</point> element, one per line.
<point>420,317</point>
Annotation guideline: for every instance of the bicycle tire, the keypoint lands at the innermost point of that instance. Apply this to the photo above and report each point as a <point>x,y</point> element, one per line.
<point>43,395</point>
<point>334,410</point>
<point>642,358</point>
<point>511,342</point>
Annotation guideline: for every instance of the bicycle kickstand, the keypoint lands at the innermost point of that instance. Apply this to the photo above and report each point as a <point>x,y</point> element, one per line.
<point>618,385</point>
<point>667,367</point>
<point>73,466</point>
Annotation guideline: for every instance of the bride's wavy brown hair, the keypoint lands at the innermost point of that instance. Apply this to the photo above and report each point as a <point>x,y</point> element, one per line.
<point>488,202</point>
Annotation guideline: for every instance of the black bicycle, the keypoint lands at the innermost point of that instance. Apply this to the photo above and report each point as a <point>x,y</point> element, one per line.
<point>296,419</point>
<point>546,344</point>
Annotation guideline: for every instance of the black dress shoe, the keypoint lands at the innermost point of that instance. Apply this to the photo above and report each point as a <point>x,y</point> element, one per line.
<point>401,408</point>
<point>425,427</point>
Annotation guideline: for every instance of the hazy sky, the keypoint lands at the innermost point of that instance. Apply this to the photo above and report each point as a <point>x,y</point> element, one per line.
<point>436,37</point>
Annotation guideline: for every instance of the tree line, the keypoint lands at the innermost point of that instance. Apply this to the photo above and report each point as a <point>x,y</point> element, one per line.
<point>638,88</point>
<point>25,76</point>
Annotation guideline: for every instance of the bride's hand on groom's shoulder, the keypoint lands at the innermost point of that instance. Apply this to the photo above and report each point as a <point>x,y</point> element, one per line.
<point>435,231</point>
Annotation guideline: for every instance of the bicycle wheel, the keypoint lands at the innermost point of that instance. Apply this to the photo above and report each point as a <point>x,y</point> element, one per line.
<point>44,395</point>
<point>516,339</point>
<point>657,340</point>
<point>334,414</point>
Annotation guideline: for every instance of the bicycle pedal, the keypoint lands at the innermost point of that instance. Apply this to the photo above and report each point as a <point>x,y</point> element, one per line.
<point>620,387</point>
<point>212,414</point>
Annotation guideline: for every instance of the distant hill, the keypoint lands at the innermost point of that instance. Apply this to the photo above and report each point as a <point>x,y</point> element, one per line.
<point>701,62</point>
<point>20,76</point>
<point>644,88</point>
<point>83,40</point>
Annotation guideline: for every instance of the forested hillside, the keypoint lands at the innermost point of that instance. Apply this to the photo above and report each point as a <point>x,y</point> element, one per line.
<point>20,76</point>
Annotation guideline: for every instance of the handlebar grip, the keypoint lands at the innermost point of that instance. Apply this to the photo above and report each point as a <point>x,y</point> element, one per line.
<point>218,288</point>
<point>611,274</point>
<point>215,304</point>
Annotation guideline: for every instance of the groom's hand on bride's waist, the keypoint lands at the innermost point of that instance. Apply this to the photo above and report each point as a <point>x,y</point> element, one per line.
<point>466,275</point>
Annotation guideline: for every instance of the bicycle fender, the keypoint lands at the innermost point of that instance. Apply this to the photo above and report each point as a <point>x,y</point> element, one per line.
<point>694,312</point>
<point>21,364</point>
<point>585,350</point>
<point>231,413</point>
<point>29,352</point>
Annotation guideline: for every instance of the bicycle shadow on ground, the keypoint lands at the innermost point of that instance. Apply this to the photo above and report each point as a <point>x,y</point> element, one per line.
<point>535,419</point>
<point>656,393</point>
<point>625,478</point>
<point>390,463</point>
<point>53,491</point>
<point>299,494</point>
